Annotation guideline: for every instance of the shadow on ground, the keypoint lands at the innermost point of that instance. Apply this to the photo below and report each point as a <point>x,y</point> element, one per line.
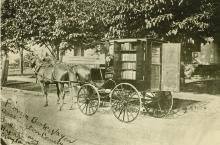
<point>182,107</point>
<point>28,86</point>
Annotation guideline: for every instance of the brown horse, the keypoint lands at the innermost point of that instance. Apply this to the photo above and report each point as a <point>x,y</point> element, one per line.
<point>60,74</point>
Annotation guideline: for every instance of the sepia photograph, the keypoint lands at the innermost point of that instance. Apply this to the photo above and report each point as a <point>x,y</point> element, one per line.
<point>110,72</point>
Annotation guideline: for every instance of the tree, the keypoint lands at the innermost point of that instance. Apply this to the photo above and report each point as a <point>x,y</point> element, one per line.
<point>126,19</point>
<point>178,20</point>
<point>11,38</point>
<point>62,24</point>
<point>14,36</point>
<point>173,20</point>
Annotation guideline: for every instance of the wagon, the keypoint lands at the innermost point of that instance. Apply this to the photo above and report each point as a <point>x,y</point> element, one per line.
<point>146,71</point>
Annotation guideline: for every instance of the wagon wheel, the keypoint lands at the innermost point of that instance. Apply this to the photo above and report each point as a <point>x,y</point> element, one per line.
<point>160,104</point>
<point>88,99</point>
<point>125,102</point>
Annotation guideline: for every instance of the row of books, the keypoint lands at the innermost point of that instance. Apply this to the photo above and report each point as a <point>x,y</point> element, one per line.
<point>128,47</point>
<point>128,57</point>
<point>129,65</point>
<point>128,74</point>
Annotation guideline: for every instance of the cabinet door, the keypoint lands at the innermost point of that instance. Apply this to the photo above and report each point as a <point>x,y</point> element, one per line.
<point>170,80</point>
<point>140,61</point>
<point>117,58</point>
<point>155,66</point>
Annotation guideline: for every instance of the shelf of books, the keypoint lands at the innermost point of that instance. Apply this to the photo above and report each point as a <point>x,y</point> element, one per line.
<point>127,60</point>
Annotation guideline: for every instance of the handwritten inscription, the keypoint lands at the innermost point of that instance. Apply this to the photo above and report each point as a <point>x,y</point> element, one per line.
<point>21,128</point>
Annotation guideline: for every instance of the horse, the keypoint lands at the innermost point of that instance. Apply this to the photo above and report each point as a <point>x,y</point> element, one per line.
<point>59,73</point>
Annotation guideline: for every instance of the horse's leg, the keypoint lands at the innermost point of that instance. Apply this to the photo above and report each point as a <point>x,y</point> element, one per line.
<point>73,93</point>
<point>46,87</point>
<point>58,93</point>
<point>44,91</point>
<point>62,93</point>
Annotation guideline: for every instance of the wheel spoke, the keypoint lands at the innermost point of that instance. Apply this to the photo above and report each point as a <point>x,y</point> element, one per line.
<point>127,113</point>
<point>83,107</point>
<point>82,95</point>
<point>159,106</point>
<point>124,114</point>
<point>86,108</point>
<point>122,108</point>
<point>115,103</point>
<point>119,95</point>
<point>130,114</point>
<point>117,106</point>
<point>88,99</point>
<point>89,108</point>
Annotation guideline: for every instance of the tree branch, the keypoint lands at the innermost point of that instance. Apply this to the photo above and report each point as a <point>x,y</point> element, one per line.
<point>50,50</point>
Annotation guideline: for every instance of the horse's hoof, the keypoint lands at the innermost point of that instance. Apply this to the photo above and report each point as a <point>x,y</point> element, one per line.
<point>60,108</point>
<point>45,105</point>
<point>71,108</point>
<point>58,101</point>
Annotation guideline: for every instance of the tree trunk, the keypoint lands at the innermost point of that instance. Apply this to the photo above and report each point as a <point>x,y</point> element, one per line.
<point>5,65</point>
<point>21,61</point>
<point>58,53</point>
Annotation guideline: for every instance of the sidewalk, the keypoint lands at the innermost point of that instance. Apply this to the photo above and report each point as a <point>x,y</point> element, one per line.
<point>13,80</point>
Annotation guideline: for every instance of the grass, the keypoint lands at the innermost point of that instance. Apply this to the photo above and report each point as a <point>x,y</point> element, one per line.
<point>16,71</point>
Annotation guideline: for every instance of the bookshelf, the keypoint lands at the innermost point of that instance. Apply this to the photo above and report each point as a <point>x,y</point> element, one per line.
<point>126,60</point>
<point>147,63</point>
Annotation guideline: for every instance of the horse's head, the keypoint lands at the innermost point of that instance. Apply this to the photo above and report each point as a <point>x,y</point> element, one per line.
<point>33,63</point>
<point>36,63</point>
<point>82,72</point>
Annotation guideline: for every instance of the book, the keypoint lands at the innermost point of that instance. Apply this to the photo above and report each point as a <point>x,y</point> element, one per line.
<point>129,65</point>
<point>128,74</point>
<point>126,46</point>
<point>128,57</point>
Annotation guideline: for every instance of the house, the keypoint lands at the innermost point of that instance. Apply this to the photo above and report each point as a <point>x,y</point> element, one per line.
<point>87,57</point>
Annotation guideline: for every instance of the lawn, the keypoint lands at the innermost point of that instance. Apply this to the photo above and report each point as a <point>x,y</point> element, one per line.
<point>16,71</point>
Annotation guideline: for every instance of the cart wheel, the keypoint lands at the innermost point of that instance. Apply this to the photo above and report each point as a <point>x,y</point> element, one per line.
<point>88,99</point>
<point>160,104</point>
<point>125,102</point>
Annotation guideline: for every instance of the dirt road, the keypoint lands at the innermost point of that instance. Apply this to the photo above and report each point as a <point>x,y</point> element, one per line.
<point>196,125</point>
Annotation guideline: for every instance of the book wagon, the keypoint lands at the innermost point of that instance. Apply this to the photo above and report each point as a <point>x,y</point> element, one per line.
<point>145,72</point>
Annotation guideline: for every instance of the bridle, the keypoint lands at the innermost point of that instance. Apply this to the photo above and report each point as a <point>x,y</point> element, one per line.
<point>36,69</point>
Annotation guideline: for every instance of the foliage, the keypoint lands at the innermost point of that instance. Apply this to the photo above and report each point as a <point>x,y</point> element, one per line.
<point>69,24</point>
<point>28,57</point>
<point>12,34</point>
<point>59,25</point>
<point>173,20</point>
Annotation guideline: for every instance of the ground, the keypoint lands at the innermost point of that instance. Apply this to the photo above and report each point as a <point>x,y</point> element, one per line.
<point>193,121</point>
